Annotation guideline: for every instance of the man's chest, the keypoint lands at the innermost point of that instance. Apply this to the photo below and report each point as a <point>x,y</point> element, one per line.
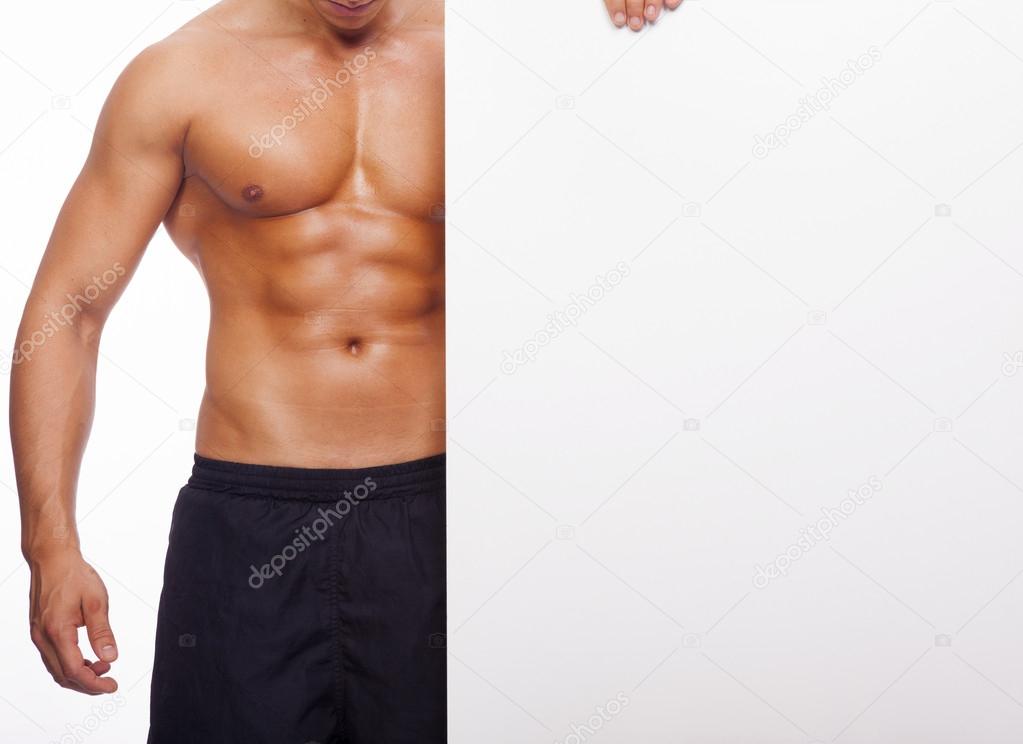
<point>292,135</point>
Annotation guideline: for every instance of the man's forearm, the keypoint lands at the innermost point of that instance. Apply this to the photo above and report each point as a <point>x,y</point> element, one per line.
<point>53,384</point>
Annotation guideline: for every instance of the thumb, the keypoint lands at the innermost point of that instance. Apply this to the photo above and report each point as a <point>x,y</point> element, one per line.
<point>97,624</point>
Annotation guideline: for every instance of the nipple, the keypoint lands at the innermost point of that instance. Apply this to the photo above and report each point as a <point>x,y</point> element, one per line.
<point>252,193</point>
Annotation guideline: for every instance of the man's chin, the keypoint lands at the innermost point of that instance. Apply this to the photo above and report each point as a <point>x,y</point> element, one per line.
<point>349,15</point>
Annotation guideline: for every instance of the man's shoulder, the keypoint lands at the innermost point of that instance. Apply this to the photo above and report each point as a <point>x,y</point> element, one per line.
<point>174,74</point>
<point>158,94</point>
<point>187,50</point>
<point>165,68</point>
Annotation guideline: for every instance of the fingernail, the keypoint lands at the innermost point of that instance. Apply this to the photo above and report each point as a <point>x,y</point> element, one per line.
<point>636,23</point>
<point>108,653</point>
<point>651,12</point>
<point>620,19</point>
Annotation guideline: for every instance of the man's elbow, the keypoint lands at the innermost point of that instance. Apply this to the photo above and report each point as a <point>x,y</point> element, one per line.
<point>74,322</point>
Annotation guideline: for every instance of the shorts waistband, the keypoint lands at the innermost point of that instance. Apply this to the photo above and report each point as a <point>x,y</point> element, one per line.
<point>318,484</point>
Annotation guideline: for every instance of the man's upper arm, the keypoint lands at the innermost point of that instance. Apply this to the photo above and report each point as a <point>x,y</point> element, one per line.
<point>130,178</point>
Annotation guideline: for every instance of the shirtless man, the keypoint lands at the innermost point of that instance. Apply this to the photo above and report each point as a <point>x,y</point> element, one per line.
<point>294,151</point>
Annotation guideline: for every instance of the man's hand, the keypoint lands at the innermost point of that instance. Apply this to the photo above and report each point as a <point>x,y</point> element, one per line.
<point>637,13</point>
<point>66,595</point>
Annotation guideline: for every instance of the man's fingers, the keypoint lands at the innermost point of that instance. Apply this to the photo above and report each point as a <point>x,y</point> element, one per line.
<point>634,8</point>
<point>72,663</point>
<point>99,668</point>
<point>637,13</point>
<point>97,624</point>
<point>64,640</point>
<point>48,655</point>
<point>616,9</point>
<point>52,663</point>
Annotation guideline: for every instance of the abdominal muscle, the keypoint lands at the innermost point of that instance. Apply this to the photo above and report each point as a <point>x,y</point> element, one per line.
<point>326,345</point>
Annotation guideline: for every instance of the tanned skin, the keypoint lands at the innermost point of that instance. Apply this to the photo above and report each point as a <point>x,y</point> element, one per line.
<point>321,246</point>
<point>637,13</point>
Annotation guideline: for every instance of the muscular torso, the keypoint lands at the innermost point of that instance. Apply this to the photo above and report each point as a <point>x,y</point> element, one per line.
<point>319,234</point>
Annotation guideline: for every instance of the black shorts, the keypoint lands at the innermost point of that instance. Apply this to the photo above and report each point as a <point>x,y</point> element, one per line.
<point>304,606</point>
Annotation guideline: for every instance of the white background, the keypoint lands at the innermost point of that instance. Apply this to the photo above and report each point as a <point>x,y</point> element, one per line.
<point>649,591</point>
<point>810,314</point>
